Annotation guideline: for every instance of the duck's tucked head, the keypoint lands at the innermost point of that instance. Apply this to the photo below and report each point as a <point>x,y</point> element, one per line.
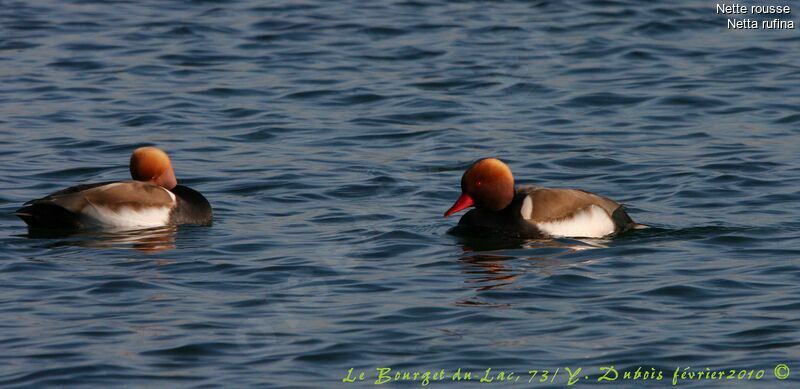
<point>487,184</point>
<point>151,164</point>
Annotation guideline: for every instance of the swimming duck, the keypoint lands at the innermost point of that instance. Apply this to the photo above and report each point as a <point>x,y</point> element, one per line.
<point>533,211</point>
<point>152,199</point>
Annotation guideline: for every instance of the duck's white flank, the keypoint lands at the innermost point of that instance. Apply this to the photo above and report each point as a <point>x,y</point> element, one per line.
<point>126,216</point>
<point>591,222</point>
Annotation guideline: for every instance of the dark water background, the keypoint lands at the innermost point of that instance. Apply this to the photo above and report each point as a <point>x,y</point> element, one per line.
<point>331,136</point>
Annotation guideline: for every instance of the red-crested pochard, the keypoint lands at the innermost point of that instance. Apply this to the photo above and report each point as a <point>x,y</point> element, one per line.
<point>152,199</point>
<point>533,211</point>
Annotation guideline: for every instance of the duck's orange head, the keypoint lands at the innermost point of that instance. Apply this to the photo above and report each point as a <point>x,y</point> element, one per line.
<point>487,184</point>
<point>151,164</point>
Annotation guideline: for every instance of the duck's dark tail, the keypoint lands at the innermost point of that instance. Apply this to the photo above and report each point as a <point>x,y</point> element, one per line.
<point>47,216</point>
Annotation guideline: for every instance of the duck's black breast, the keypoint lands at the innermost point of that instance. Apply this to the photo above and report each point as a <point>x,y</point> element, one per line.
<point>191,207</point>
<point>506,222</point>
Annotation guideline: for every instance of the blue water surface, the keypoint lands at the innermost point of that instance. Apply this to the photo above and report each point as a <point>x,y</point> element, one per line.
<point>330,136</point>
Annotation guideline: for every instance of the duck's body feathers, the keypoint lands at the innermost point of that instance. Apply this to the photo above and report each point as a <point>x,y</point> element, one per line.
<point>124,204</point>
<point>538,212</point>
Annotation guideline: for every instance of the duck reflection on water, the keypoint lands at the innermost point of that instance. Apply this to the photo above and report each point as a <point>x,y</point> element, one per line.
<point>495,264</point>
<point>149,240</point>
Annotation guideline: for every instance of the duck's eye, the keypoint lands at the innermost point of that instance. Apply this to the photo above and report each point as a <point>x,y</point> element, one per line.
<point>477,183</point>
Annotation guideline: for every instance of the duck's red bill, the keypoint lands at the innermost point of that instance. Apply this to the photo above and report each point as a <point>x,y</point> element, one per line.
<point>464,201</point>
